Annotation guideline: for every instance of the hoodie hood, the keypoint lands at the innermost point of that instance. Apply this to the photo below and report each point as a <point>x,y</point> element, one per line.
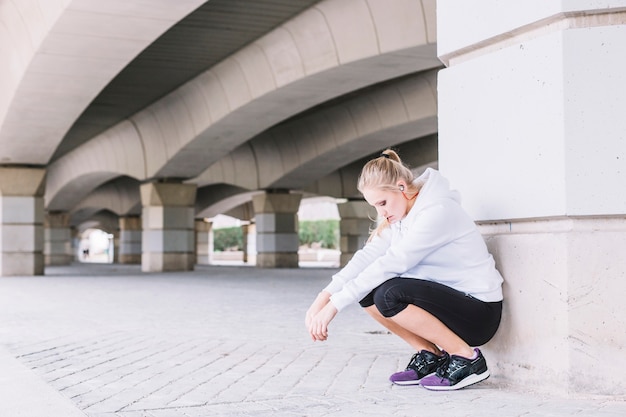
<point>434,188</point>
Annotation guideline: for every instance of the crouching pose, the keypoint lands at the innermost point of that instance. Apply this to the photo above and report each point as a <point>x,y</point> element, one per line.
<point>425,274</point>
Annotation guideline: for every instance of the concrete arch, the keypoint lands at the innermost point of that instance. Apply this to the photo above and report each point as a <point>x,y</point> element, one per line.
<point>222,198</point>
<point>75,175</point>
<point>298,152</point>
<point>282,74</point>
<point>58,55</point>
<point>277,76</point>
<point>101,219</point>
<point>417,154</point>
<point>120,196</point>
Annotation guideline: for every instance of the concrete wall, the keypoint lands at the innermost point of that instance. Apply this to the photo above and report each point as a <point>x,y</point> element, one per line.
<point>531,132</point>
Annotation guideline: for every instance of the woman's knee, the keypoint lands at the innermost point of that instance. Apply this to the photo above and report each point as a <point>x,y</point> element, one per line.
<point>388,299</point>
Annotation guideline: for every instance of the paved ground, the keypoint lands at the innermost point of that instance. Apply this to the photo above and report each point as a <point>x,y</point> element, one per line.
<point>109,341</point>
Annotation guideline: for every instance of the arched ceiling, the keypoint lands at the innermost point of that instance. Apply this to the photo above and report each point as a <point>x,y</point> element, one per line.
<point>279,72</point>
<point>199,41</point>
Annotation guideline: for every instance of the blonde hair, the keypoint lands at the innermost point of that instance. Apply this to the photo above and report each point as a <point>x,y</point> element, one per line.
<point>384,173</point>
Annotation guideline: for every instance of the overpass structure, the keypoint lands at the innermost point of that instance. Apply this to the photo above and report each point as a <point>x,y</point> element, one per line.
<point>175,113</point>
<point>143,118</point>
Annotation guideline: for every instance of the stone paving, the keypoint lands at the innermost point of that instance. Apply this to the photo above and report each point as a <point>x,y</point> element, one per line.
<point>222,341</point>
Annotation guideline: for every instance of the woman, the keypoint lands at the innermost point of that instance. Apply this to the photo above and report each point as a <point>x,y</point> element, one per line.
<point>425,274</point>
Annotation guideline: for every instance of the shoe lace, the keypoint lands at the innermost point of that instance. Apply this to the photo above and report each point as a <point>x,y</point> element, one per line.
<point>449,367</point>
<point>417,362</point>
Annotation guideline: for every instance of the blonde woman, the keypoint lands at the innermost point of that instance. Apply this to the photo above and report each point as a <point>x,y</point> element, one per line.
<point>425,274</point>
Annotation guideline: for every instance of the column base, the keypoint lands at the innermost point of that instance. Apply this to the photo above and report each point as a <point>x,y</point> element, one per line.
<point>21,264</point>
<point>203,260</point>
<point>344,258</point>
<point>58,259</point>
<point>134,258</point>
<point>277,260</point>
<point>564,316</point>
<point>167,262</point>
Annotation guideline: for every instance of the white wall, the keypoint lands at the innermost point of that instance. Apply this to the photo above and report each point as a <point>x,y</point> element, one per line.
<point>531,131</point>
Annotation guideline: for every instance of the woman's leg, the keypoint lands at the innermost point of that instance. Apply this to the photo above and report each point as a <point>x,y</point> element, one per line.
<point>436,313</point>
<point>427,314</point>
<point>418,324</point>
<point>417,342</point>
<point>422,363</point>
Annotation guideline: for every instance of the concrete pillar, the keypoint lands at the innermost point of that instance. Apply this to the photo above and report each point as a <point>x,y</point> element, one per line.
<point>116,246</point>
<point>204,248</point>
<point>244,233</point>
<point>130,240</point>
<point>251,243</point>
<point>57,239</point>
<point>21,221</point>
<point>357,219</point>
<point>168,236</point>
<point>532,134</point>
<point>277,240</point>
<point>75,234</point>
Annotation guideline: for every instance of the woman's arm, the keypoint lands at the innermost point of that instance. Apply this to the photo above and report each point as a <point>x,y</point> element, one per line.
<point>319,316</point>
<point>361,260</point>
<point>322,311</point>
<point>435,227</point>
<point>319,303</point>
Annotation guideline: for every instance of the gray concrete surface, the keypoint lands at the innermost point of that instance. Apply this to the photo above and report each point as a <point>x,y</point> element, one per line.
<point>109,341</point>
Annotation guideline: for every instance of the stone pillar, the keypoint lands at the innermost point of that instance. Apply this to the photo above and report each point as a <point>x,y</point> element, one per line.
<point>168,236</point>
<point>354,227</point>
<point>75,244</point>
<point>277,240</point>
<point>21,221</point>
<point>203,242</point>
<point>130,240</point>
<point>244,233</point>
<point>531,131</point>
<point>116,246</point>
<point>57,239</point>
<point>251,243</point>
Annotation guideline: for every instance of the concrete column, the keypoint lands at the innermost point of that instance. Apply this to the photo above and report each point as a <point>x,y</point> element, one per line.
<point>276,217</point>
<point>116,246</point>
<point>354,227</point>
<point>204,248</point>
<point>57,239</point>
<point>21,221</point>
<point>130,240</point>
<point>532,134</point>
<point>74,233</point>
<point>251,243</point>
<point>168,236</point>
<point>244,233</point>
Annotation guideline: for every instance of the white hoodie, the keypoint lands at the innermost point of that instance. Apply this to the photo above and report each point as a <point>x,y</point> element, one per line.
<point>436,241</point>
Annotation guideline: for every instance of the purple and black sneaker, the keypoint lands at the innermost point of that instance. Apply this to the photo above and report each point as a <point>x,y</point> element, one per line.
<point>457,373</point>
<point>422,364</point>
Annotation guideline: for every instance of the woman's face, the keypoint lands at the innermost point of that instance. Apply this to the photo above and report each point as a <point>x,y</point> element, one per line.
<point>391,205</point>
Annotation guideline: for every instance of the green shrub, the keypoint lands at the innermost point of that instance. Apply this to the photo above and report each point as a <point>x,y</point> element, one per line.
<point>229,238</point>
<point>323,232</point>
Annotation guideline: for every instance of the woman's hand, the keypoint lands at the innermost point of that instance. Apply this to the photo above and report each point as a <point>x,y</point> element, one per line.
<point>318,325</point>
<point>319,303</point>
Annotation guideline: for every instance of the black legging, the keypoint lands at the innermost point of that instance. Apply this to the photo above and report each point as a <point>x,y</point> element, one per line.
<point>473,320</point>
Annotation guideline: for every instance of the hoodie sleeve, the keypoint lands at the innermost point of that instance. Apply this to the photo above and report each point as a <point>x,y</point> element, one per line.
<point>430,230</point>
<point>361,259</point>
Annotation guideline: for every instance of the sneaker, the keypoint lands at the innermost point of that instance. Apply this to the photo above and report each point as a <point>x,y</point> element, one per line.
<point>422,364</point>
<point>457,373</point>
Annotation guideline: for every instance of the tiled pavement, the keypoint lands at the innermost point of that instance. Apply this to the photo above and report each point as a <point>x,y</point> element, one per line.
<point>109,341</point>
